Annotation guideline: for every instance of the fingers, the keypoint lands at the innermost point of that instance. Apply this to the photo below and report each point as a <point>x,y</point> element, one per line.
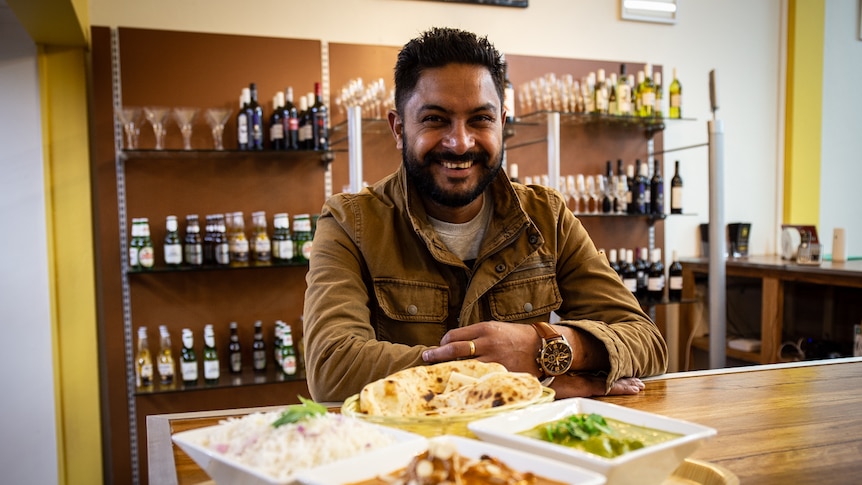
<point>626,386</point>
<point>462,349</point>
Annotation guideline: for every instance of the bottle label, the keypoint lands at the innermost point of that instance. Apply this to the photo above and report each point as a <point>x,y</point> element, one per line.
<point>190,371</point>
<point>675,100</point>
<point>259,360</point>
<point>239,249</point>
<point>236,362</point>
<point>675,282</point>
<point>145,378</point>
<point>276,131</point>
<point>242,130</point>
<point>222,253</point>
<point>306,250</point>
<point>676,198</point>
<point>133,257</point>
<point>146,256</point>
<point>194,254</point>
<point>166,372</point>
<point>173,254</point>
<point>211,370</point>
<point>262,250</point>
<point>655,283</point>
<point>285,250</point>
<point>288,364</point>
<point>631,284</point>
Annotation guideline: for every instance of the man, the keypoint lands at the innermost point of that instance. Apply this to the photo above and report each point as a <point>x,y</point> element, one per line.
<point>447,259</point>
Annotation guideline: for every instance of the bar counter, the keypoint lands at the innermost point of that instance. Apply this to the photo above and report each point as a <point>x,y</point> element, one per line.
<point>794,423</point>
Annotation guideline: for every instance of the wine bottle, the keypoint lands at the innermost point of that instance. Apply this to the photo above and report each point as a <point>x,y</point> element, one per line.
<point>291,121</point>
<point>208,244</point>
<point>676,191</point>
<point>143,361</point>
<point>276,122</point>
<point>644,173</point>
<point>639,187</point>
<point>188,359</point>
<point>646,92</point>
<point>165,360</point>
<point>607,189</point>
<point>242,122</point>
<point>255,120</point>
<point>656,190</point>
<point>612,260</point>
<point>624,93</point>
<point>674,273</point>
<point>212,369</point>
<point>602,93</point>
<point>261,246</point>
<point>655,278</point>
<point>630,273</point>
<point>278,342</point>
<point>631,196</point>
<point>305,131</point>
<point>613,107</point>
<point>258,347</point>
<point>172,247</point>
<point>659,96</point>
<point>513,173</point>
<point>319,121</point>
<point>642,267</point>
<point>234,350</point>
<point>675,98</point>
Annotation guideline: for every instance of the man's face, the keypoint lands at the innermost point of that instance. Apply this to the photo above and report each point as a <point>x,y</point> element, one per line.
<point>451,134</point>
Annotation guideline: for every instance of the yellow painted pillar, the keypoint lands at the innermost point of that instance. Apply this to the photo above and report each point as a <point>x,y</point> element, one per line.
<point>805,30</point>
<point>63,89</point>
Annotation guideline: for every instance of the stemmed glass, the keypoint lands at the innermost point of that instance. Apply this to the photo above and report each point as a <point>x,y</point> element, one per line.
<point>581,184</point>
<point>593,192</point>
<point>184,117</point>
<point>217,117</point>
<point>622,193</point>
<point>130,117</point>
<point>572,196</point>
<point>157,115</point>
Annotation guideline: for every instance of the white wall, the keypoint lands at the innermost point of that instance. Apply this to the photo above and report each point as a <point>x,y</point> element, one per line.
<point>738,38</point>
<point>28,438</point>
<point>841,155</point>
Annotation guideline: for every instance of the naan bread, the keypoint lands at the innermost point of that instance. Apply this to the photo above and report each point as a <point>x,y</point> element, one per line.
<point>447,388</point>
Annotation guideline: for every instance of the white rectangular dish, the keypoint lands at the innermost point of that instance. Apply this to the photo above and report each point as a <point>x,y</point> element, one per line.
<point>382,462</point>
<point>649,465</point>
<point>225,469</point>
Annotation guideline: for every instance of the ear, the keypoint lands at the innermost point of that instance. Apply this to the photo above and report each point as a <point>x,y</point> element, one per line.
<point>397,126</point>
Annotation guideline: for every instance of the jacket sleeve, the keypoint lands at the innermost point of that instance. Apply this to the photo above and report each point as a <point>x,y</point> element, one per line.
<point>342,353</point>
<point>597,302</point>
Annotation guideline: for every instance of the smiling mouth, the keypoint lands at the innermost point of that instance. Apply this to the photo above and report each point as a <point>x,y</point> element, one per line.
<point>460,165</point>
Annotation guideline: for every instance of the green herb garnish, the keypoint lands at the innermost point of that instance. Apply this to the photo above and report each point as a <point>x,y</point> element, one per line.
<point>578,427</point>
<point>298,412</point>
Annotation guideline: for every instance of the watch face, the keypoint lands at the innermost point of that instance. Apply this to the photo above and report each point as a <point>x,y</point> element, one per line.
<point>556,357</point>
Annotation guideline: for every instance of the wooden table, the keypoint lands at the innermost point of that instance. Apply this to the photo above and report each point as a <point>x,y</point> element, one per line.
<point>773,272</point>
<point>777,424</point>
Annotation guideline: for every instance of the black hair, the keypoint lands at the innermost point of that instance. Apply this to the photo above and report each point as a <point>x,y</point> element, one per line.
<point>439,47</point>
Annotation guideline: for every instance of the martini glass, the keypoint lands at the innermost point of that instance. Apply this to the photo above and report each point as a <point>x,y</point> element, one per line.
<point>131,119</point>
<point>184,117</point>
<point>157,115</point>
<point>217,117</point>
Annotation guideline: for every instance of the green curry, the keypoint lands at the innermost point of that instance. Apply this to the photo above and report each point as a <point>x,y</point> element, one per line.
<point>600,436</point>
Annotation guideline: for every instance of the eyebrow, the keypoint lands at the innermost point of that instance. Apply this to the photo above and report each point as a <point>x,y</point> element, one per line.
<point>433,107</point>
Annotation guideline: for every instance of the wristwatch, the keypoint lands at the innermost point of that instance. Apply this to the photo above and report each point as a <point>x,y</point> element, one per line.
<point>556,355</point>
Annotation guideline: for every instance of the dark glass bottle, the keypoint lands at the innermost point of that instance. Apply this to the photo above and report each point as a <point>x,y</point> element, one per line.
<point>242,122</point>
<point>258,347</point>
<point>676,191</point>
<point>319,121</point>
<point>234,350</point>
<point>674,273</point>
<point>276,123</point>
<point>188,359</point>
<point>656,278</point>
<point>291,121</point>
<point>255,120</point>
<point>173,248</point>
<point>642,265</point>
<point>630,273</point>
<point>212,369</point>
<point>193,246</point>
<point>656,190</point>
<point>639,189</point>
<point>612,260</point>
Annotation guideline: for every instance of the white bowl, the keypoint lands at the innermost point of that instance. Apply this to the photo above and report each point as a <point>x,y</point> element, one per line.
<point>649,465</point>
<point>393,458</point>
<point>226,470</point>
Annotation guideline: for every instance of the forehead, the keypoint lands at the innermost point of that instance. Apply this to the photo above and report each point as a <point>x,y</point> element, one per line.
<point>454,86</point>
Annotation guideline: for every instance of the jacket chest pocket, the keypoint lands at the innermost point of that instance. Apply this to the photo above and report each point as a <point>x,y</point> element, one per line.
<point>524,298</point>
<point>412,301</point>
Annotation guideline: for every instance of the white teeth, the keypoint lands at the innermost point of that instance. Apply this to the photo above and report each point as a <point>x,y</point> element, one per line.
<point>457,165</point>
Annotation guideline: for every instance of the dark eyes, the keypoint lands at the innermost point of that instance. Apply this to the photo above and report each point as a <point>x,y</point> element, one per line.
<point>476,120</point>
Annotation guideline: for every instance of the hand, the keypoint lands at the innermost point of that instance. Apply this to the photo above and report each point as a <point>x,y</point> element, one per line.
<point>512,344</point>
<point>587,386</point>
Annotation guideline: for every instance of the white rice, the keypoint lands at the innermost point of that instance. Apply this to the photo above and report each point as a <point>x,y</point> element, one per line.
<point>291,448</point>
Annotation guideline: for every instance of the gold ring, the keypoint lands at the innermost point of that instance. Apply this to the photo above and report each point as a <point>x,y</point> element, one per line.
<point>472,349</point>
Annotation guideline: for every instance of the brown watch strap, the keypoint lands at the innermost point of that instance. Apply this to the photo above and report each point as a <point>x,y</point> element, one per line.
<point>546,331</point>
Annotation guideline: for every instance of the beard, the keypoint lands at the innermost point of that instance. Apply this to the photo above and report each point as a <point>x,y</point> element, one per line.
<point>420,174</point>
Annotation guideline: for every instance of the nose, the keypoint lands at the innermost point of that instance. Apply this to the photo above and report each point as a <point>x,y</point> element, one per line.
<point>459,138</point>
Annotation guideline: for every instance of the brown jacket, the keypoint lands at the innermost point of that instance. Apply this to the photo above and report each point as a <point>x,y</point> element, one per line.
<point>382,287</point>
